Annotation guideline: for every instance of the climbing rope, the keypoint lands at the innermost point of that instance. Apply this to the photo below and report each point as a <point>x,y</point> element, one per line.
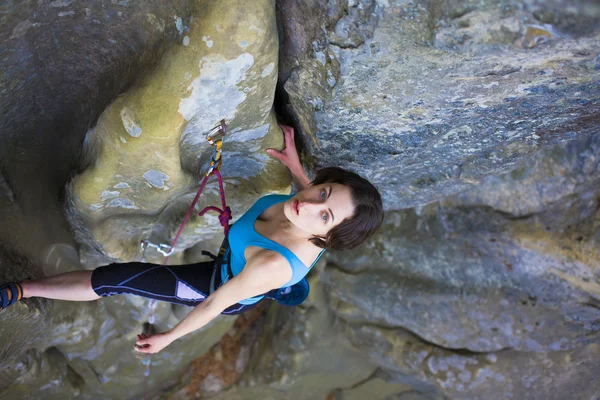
<point>215,138</point>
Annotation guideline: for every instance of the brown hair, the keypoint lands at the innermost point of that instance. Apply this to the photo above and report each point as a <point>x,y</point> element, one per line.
<point>368,210</point>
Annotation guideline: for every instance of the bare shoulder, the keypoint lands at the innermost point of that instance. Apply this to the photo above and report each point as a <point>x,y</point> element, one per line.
<point>266,259</point>
<point>270,263</point>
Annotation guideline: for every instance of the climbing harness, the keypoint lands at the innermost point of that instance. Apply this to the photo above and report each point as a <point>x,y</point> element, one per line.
<point>215,138</point>
<point>292,295</point>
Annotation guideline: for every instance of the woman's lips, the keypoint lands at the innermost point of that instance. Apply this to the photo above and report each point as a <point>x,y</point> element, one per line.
<point>296,207</point>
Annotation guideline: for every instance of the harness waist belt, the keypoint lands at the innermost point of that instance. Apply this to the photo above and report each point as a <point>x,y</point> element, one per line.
<point>223,258</point>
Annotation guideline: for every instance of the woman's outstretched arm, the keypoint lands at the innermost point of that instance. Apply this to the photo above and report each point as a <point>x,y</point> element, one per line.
<point>255,279</point>
<point>289,157</point>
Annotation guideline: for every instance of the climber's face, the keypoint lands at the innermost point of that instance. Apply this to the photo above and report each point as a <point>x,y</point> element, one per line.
<point>317,209</point>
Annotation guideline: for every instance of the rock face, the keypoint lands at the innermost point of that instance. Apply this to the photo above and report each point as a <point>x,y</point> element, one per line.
<point>147,150</point>
<point>477,120</point>
<point>479,124</point>
<point>62,63</point>
<point>426,118</point>
<point>137,169</point>
<point>495,274</point>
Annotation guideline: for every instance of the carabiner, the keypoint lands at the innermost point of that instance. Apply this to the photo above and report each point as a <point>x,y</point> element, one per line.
<point>219,129</point>
<point>215,161</point>
<point>162,248</point>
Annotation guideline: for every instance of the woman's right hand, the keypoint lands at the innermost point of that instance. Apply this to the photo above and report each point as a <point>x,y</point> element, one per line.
<point>288,156</point>
<point>152,344</point>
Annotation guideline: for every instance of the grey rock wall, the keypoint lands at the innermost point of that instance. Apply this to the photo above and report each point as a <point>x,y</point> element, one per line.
<point>479,123</point>
<point>466,286</point>
<point>477,120</point>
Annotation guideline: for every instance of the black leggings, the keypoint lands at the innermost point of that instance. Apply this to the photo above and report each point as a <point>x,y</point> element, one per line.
<point>188,285</point>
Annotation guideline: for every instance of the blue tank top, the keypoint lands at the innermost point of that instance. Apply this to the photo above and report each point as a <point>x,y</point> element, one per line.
<point>242,234</point>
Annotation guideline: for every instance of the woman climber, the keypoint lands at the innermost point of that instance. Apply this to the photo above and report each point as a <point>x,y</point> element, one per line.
<point>272,246</point>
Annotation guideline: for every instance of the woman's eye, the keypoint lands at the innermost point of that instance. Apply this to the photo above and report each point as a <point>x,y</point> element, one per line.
<point>323,194</point>
<point>325,217</point>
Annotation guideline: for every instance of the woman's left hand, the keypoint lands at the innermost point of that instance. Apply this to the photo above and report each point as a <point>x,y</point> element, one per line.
<point>152,344</point>
<point>288,156</point>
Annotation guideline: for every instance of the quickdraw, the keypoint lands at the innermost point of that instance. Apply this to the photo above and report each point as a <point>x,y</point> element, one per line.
<point>164,249</point>
<point>215,138</point>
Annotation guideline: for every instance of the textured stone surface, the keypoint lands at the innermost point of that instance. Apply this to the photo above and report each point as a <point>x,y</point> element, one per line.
<point>137,170</point>
<point>490,271</point>
<point>149,145</point>
<point>424,122</point>
<point>217,370</point>
<point>478,121</point>
<point>62,63</point>
<point>308,358</point>
<point>483,281</point>
<point>504,375</point>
